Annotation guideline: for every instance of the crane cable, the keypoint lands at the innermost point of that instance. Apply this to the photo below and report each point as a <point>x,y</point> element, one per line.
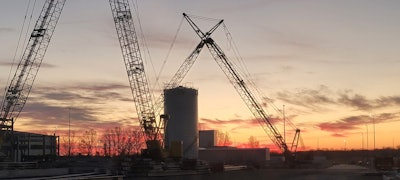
<point>238,57</point>
<point>18,44</point>
<point>142,36</point>
<point>169,51</point>
<point>245,72</point>
<point>203,18</point>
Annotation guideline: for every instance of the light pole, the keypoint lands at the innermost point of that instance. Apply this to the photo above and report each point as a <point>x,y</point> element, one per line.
<point>362,141</point>
<point>69,132</point>
<point>284,125</point>
<point>373,122</point>
<point>366,126</point>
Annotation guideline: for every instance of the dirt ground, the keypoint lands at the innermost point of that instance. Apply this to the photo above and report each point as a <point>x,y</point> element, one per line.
<point>339,173</point>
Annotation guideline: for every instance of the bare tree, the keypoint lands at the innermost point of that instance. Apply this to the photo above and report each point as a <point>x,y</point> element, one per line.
<point>118,140</point>
<point>136,140</point>
<point>107,142</point>
<point>88,141</point>
<point>68,144</point>
<point>253,142</point>
<point>223,139</point>
<point>64,146</point>
<point>122,141</point>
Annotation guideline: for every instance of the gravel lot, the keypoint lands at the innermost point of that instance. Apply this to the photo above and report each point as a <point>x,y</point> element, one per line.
<point>338,172</point>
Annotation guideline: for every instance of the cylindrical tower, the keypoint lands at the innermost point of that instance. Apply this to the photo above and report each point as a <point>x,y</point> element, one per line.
<point>180,104</point>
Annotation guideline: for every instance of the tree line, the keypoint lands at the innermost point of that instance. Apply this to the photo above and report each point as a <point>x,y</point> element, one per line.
<point>111,142</point>
<point>119,141</point>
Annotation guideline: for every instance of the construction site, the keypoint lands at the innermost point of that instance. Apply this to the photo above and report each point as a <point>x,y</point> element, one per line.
<point>170,142</point>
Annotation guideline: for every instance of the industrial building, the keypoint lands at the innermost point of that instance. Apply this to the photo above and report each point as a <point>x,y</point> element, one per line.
<point>182,135</point>
<point>30,145</point>
<point>210,152</point>
<point>231,155</point>
<point>207,138</point>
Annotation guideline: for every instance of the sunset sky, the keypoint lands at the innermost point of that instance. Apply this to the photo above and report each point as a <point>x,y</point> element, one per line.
<point>333,64</point>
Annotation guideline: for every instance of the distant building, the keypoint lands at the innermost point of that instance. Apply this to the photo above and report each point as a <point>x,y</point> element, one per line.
<point>207,138</point>
<point>29,145</point>
<point>233,155</point>
<point>209,151</point>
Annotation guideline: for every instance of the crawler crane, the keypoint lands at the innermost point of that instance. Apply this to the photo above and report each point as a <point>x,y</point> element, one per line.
<point>138,81</point>
<point>247,95</point>
<point>21,84</point>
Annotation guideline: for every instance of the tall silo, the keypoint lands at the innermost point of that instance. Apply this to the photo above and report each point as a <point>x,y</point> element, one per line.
<point>180,105</point>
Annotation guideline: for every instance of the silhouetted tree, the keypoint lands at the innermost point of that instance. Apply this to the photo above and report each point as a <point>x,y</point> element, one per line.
<point>68,142</point>
<point>88,141</point>
<point>107,142</point>
<point>136,140</point>
<point>122,141</point>
<point>253,142</point>
<point>223,139</point>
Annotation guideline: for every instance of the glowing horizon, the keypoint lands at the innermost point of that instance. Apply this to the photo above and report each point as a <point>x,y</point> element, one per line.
<point>332,64</point>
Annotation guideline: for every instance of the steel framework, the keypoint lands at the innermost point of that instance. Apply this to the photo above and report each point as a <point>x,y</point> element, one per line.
<point>246,94</point>
<point>129,44</point>
<point>21,84</point>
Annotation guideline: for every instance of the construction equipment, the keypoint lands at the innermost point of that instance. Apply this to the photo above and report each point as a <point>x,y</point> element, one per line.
<point>246,94</point>
<point>142,97</point>
<point>184,68</point>
<point>21,84</point>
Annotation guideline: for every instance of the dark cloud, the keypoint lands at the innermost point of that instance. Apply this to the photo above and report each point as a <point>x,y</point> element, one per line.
<point>5,29</point>
<point>235,124</point>
<point>91,93</point>
<point>319,99</point>
<point>313,99</point>
<point>49,107</point>
<point>45,113</point>
<point>323,99</point>
<point>43,65</point>
<point>356,101</point>
<point>342,126</point>
<point>218,122</point>
<point>345,124</point>
<point>338,135</point>
<point>388,101</point>
<point>360,102</point>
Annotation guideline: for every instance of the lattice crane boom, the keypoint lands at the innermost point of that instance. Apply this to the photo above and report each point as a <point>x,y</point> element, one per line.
<point>180,74</point>
<point>245,93</point>
<point>187,63</point>
<point>21,84</point>
<point>138,81</point>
